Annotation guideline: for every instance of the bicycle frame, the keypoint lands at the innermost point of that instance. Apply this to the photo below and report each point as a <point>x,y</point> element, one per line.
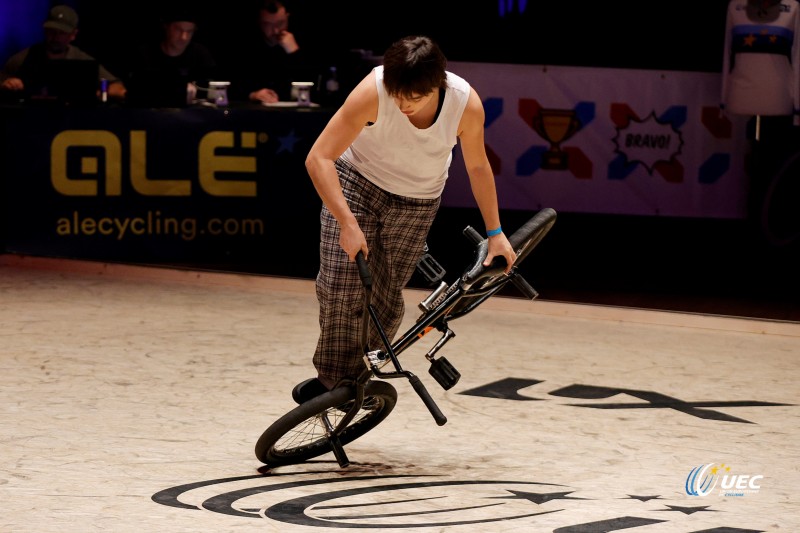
<point>437,313</point>
<point>358,404</point>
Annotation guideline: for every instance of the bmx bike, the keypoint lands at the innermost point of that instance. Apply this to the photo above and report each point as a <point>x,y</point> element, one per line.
<point>326,423</point>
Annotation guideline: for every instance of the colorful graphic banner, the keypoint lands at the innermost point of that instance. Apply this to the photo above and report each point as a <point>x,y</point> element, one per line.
<point>610,141</point>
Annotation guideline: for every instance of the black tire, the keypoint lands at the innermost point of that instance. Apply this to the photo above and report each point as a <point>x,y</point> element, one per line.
<point>299,435</point>
<point>526,238</point>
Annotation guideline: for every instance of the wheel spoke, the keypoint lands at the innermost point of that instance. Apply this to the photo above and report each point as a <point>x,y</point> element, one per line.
<point>312,431</point>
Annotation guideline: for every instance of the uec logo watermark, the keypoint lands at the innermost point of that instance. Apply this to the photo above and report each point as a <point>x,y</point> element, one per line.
<point>702,480</point>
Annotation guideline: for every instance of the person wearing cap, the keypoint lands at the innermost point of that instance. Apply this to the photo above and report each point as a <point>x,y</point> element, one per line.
<point>168,73</point>
<point>60,30</point>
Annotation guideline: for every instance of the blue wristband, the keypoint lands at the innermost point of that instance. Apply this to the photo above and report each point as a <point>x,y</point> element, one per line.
<point>493,232</point>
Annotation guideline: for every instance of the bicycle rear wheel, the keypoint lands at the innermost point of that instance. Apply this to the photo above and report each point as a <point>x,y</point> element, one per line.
<point>526,238</point>
<point>300,434</point>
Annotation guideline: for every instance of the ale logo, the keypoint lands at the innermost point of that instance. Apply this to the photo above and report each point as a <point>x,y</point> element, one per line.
<point>98,165</point>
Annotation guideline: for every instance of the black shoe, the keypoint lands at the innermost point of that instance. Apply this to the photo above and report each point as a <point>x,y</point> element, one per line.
<point>307,390</point>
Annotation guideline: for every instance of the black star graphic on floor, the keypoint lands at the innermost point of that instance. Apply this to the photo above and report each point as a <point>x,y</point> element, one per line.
<point>729,530</point>
<point>538,498</point>
<point>642,498</point>
<point>689,510</point>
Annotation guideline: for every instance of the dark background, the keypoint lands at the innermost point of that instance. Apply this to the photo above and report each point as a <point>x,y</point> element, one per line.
<point>623,34</point>
<point>704,265</point>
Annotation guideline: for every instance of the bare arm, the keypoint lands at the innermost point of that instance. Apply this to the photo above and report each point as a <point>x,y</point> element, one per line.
<point>360,107</point>
<point>481,177</point>
<point>12,84</point>
<point>9,76</point>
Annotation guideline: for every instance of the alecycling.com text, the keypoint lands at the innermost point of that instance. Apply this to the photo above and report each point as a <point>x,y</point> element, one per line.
<point>154,223</point>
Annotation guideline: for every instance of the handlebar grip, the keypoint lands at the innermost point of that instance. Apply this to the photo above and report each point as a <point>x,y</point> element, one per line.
<point>472,234</point>
<point>524,287</point>
<point>427,400</point>
<point>363,270</point>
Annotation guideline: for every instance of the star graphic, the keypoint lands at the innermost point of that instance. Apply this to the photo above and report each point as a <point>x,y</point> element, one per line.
<point>749,40</point>
<point>288,142</point>
<point>642,498</point>
<point>689,510</point>
<point>538,498</point>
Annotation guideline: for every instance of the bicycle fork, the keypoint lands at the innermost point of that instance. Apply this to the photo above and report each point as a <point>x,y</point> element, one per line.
<point>419,387</point>
<point>444,373</point>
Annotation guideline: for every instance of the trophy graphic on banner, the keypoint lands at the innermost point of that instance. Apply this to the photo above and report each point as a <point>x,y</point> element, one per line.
<point>555,126</point>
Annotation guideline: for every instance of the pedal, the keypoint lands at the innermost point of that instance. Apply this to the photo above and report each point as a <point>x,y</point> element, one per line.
<point>444,373</point>
<point>430,268</point>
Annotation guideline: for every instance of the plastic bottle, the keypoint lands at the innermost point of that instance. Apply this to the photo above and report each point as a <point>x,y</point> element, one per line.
<point>332,83</point>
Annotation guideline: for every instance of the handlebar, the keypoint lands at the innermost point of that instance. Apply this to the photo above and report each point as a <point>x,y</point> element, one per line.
<point>366,278</point>
<point>423,393</point>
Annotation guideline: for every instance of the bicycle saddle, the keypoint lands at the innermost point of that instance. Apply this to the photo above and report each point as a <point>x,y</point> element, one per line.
<point>477,271</point>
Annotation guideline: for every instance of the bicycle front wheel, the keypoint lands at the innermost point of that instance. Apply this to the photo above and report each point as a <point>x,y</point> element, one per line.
<point>301,434</point>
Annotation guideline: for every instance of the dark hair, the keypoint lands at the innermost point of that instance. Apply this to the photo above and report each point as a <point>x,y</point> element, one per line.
<point>413,65</point>
<point>182,11</point>
<point>271,6</point>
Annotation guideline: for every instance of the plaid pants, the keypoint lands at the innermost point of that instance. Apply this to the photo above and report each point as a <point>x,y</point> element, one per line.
<point>396,228</point>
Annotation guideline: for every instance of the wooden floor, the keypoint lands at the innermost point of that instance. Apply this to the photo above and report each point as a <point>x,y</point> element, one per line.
<point>132,398</point>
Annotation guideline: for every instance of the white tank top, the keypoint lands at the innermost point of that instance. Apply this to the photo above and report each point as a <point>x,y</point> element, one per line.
<point>400,158</point>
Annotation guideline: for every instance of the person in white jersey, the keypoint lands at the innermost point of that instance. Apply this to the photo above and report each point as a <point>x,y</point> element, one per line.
<point>380,166</point>
<point>761,59</point>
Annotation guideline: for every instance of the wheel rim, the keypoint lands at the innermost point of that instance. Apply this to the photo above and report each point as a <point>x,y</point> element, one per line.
<point>312,432</point>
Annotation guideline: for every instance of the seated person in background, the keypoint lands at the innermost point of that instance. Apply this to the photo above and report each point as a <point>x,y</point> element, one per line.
<point>167,73</point>
<point>263,67</point>
<point>23,72</point>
